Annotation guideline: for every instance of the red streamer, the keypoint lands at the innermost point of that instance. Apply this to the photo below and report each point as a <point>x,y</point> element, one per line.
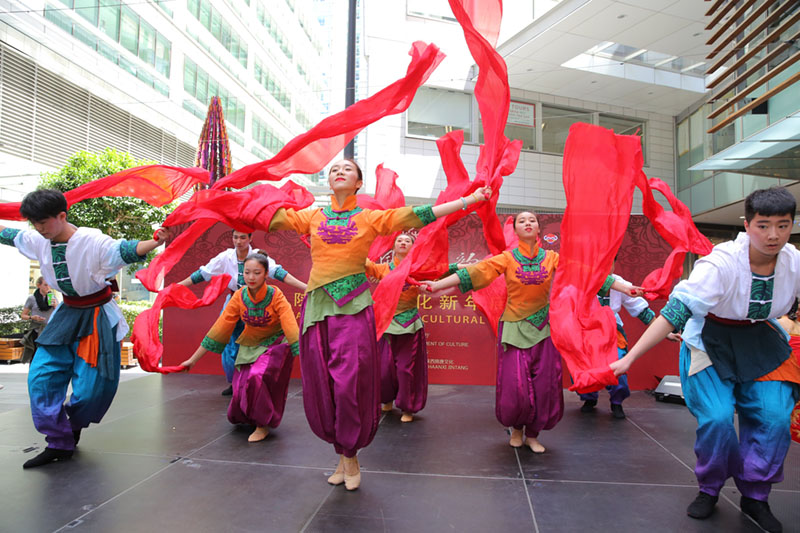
<point>600,172</point>
<point>146,342</point>
<point>155,184</point>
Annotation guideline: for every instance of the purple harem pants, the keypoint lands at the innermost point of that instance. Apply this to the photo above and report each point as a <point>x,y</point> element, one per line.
<point>529,390</point>
<point>404,370</point>
<point>260,388</point>
<point>341,380</point>
<point>755,458</point>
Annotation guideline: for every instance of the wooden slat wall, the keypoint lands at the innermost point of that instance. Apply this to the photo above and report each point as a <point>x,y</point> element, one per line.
<point>740,37</point>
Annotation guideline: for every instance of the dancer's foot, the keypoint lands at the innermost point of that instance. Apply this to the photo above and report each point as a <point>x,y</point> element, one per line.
<point>588,406</point>
<point>259,434</point>
<point>387,407</point>
<point>534,444</point>
<point>337,478</point>
<point>516,438</point>
<point>702,506</point>
<point>228,391</point>
<point>49,455</point>
<point>352,473</point>
<point>761,513</point>
<point>407,417</point>
<point>76,434</point>
<point>617,412</point>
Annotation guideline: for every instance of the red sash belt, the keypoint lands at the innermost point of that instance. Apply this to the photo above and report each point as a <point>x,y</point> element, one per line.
<point>90,300</point>
<point>728,321</point>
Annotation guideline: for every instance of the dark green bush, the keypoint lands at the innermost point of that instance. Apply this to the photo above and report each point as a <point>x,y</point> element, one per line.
<point>10,321</point>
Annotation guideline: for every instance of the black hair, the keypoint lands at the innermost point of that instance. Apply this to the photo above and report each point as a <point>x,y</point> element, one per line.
<point>43,203</point>
<point>518,214</point>
<point>769,202</point>
<point>237,231</point>
<point>358,170</point>
<point>792,314</point>
<point>259,255</point>
<point>406,234</point>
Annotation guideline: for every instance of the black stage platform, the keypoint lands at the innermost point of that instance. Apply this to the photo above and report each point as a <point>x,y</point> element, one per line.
<point>166,459</point>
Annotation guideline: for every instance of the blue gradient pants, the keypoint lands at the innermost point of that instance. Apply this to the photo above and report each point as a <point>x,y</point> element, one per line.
<point>52,369</point>
<point>755,458</point>
<point>231,351</point>
<point>617,392</point>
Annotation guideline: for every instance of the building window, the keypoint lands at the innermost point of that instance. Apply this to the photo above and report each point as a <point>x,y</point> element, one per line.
<point>435,112</point>
<point>691,133</point>
<point>87,9</point>
<point>202,87</point>
<point>435,9</point>
<point>216,24</point>
<point>109,18</point>
<point>129,30</point>
<point>521,124</point>
<point>556,122</point>
<point>147,43</point>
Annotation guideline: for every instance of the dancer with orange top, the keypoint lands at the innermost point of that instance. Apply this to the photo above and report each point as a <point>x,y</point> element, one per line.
<point>403,353</point>
<point>264,359</point>
<point>338,345</point>
<point>529,390</point>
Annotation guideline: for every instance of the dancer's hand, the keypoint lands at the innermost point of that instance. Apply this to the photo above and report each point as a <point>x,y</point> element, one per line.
<point>161,235</point>
<point>621,366</point>
<point>633,291</point>
<point>428,286</point>
<point>674,337</point>
<point>188,364</point>
<point>483,194</point>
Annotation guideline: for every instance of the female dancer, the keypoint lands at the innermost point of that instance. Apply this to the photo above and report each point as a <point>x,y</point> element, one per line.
<point>339,351</point>
<point>403,354</point>
<point>264,362</point>
<point>529,385</point>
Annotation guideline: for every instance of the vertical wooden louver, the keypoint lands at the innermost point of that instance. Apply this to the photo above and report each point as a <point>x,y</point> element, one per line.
<point>45,118</point>
<point>776,37</point>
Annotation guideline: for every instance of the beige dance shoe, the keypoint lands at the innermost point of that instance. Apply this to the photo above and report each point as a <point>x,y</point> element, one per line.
<point>337,478</point>
<point>534,445</point>
<point>352,480</point>
<point>407,417</point>
<point>516,438</point>
<point>387,407</point>
<point>259,434</point>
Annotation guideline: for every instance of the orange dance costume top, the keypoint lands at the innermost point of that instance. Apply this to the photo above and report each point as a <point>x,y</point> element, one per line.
<point>340,241</point>
<point>267,318</point>
<point>529,275</point>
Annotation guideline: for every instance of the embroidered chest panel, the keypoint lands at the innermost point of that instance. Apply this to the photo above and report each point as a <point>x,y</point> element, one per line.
<point>59,254</point>
<point>338,226</point>
<point>256,314</point>
<point>530,271</point>
<point>760,304</point>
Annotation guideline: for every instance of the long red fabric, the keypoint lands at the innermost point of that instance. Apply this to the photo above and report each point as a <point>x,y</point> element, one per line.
<point>387,196</point>
<point>146,342</point>
<point>309,152</point>
<point>491,300</point>
<point>244,211</point>
<point>155,184</point>
<point>600,172</point>
<point>498,157</point>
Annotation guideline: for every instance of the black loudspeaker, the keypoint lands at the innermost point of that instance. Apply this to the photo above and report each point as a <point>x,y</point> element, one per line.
<point>669,390</point>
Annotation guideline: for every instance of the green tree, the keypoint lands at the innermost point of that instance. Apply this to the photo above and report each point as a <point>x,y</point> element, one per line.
<point>120,218</point>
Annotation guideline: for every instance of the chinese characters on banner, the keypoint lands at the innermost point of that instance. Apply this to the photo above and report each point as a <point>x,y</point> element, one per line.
<point>461,344</point>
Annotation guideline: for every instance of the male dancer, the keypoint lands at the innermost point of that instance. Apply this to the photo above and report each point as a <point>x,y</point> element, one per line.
<point>81,342</point>
<point>726,310</point>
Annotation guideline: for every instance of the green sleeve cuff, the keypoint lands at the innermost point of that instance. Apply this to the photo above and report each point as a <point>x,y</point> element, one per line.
<point>127,249</point>
<point>464,281</point>
<point>424,213</point>
<point>280,274</point>
<point>646,316</point>
<point>295,346</point>
<point>452,268</point>
<point>212,346</point>
<point>676,313</point>
<point>8,235</point>
<point>197,277</point>
<point>606,286</point>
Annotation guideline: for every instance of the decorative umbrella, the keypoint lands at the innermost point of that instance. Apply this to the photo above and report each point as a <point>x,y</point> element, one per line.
<point>213,148</point>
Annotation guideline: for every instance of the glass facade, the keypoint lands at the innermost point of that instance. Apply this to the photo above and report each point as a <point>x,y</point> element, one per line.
<point>120,24</point>
<point>263,135</point>
<point>198,84</point>
<point>222,31</point>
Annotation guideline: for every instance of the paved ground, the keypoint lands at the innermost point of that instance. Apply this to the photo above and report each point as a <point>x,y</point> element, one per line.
<point>166,459</point>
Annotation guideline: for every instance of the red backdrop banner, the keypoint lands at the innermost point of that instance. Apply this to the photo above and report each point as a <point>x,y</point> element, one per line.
<point>461,344</point>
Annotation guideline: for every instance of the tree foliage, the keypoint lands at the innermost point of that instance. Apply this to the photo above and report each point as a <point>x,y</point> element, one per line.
<point>119,218</point>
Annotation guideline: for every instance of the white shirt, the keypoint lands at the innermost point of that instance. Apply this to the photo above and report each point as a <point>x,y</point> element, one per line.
<point>92,257</point>
<point>227,262</point>
<point>634,305</point>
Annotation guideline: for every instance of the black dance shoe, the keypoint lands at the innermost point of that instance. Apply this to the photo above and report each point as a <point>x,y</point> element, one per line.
<point>760,512</point>
<point>588,406</point>
<point>702,506</point>
<point>228,391</point>
<point>49,455</point>
<point>616,410</point>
